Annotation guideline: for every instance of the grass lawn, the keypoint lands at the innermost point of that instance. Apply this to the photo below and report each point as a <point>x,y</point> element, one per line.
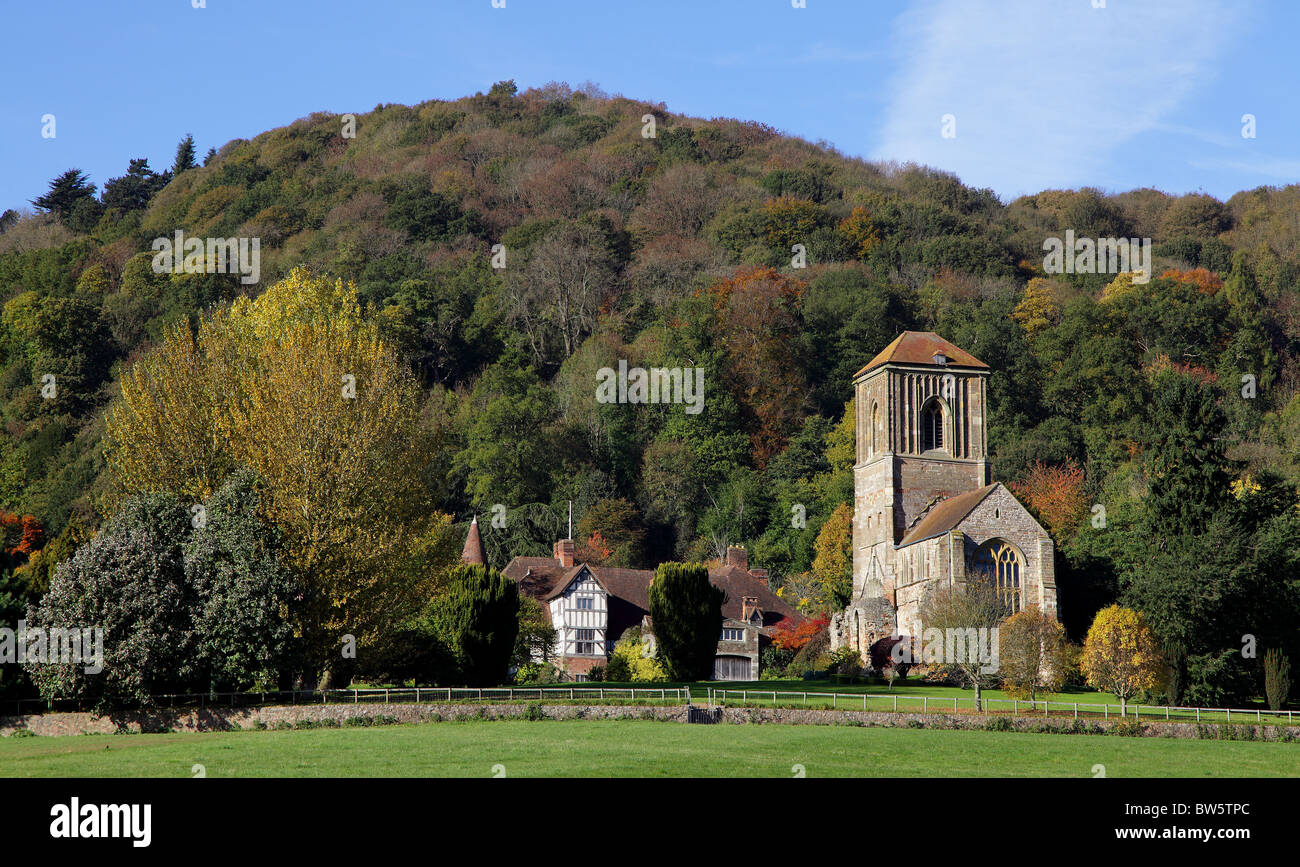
<point>623,748</point>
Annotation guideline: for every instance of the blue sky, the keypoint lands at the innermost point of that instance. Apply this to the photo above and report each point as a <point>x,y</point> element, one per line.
<point>1045,93</point>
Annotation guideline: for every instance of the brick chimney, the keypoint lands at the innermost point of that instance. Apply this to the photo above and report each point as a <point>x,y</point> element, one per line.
<point>748,605</point>
<point>564,552</point>
<point>738,556</point>
<point>760,574</point>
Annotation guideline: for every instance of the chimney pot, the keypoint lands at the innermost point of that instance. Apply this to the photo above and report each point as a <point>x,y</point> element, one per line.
<point>738,556</point>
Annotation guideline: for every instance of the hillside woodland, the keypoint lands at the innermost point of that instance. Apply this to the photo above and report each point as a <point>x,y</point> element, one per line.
<point>1153,427</point>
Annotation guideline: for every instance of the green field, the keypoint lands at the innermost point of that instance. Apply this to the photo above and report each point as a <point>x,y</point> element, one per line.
<point>627,748</point>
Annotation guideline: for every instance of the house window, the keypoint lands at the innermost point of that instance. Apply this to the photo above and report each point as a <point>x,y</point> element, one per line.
<point>999,562</point>
<point>584,603</point>
<point>585,642</point>
<point>932,426</point>
<point>733,634</point>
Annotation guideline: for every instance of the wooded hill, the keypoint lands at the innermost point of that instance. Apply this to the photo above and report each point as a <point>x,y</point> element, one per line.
<point>675,250</point>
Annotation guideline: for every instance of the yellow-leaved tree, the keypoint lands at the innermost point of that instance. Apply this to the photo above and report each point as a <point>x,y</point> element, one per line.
<point>1120,654</point>
<point>833,561</point>
<point>299,386</point>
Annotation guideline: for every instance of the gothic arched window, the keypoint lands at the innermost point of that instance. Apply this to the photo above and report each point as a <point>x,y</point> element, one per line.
<point>932,426</point>
<point>875,428</point>
<point>999,562</point>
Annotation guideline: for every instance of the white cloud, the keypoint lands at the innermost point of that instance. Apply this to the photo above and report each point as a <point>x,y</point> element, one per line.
<point>1043,91</point>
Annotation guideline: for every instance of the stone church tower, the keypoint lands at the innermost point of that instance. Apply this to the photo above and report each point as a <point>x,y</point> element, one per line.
<point>925,514</point>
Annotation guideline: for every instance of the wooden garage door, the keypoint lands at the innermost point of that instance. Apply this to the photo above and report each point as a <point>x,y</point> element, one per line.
<point>731,668</point>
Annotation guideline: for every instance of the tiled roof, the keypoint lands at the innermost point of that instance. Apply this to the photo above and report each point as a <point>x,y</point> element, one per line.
<point>543,578</point>
<point>919,347</point>
<point>473,551</point>
<point>738,584</point>
<point>946,514</point>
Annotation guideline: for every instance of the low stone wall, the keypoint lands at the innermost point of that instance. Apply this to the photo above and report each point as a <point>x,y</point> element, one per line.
<point>230,719</point>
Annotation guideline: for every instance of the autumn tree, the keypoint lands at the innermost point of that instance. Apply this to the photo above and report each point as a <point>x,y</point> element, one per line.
<point>298,386</point>
<point>1056,495</point>
<point>620,529</point>
<point>1031,653</point>
<point>1120,654</point>
<point>859,231</point>
<point>833,564</point>
<point>1038,308</point>
<point>755,322</point>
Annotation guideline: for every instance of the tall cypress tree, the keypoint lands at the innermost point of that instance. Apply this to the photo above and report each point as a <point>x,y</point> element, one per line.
<point>686,611</point>
<point>477,619</point>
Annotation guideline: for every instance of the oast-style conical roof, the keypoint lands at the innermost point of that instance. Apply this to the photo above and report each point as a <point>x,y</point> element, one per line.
<point>474,552</point>
<point>919,347</point>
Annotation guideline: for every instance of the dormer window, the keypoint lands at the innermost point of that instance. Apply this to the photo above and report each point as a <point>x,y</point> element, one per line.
<point>940,357</point>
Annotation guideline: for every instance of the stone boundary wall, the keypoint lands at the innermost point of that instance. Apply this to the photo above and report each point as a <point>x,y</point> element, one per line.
<point>233,719</point>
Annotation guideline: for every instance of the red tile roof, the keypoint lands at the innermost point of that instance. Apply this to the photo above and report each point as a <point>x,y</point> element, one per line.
<point>474,551</point>
<point>946,514</point>
<point>919,347</point>
<point>543,579</point>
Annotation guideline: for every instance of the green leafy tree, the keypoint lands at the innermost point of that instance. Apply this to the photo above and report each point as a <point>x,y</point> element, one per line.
<point>535,641</point>
<point>686,610</point>
<point>130,582</point>
<point>248,600</point>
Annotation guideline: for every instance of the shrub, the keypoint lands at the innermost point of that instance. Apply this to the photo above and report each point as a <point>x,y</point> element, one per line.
<point>537,673</point>
<point>533,711</point>
<point>998,724</point>
<point>846,661</point>
<point>1128,728</point>
<point>596,674</point>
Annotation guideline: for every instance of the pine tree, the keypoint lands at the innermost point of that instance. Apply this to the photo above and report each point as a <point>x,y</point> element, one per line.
<point>66,192</point>
<point>184,156</point>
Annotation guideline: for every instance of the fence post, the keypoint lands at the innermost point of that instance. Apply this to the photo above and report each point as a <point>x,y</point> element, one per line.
<point>1105,709</point>
<point>834,698</point>
<point>1076,710</point>
<point>925,703</point>
<point>1229,714</point>
<point>1166,711</point>
<point>1015,707</point>
<point>1198,714</point>
<point>864,701</point>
